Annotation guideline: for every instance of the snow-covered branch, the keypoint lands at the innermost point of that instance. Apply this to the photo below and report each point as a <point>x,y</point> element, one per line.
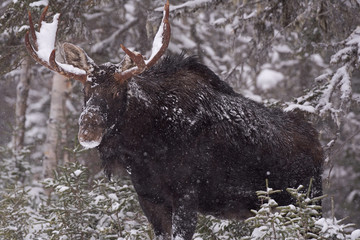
<point>188,4</point>
<point>335,94</point>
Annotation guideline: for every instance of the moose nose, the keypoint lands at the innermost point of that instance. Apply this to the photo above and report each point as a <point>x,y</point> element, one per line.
<point>90,138</point>
<point>91,128</point>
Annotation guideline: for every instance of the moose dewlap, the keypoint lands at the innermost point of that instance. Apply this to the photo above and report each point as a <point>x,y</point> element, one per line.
<point>190,142</point>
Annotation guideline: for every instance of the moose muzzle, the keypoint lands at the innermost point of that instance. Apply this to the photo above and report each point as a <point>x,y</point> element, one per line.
<point>91,127</point>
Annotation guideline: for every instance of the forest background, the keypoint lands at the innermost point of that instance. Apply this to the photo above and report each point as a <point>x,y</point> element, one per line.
<point>297,55</point>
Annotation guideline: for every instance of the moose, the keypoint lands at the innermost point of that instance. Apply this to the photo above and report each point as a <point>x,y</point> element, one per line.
<point>189,142</point>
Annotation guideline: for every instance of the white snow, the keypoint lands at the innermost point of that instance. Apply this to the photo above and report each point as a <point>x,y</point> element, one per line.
<point>77,172</point>
<point>12,228</point>
<point>219,21</point>
<point>39,3</point>
<point>61,188</point>
<point>90,110</point>
<point>90,144</point>
<point>46,38</point>
<point>98,199</point>
<point>322,77</point>
<point>306,108</point>
<point>134,90</point>
<point>331,228</point>
<point>355,235</point>
<point>354,38</point>
<point>23,28</point>
<point>113,197</point>
<point>316,58</point>
<point>179,238</point>
<point>353,194</point>
<point>342,79</point>
<point>259,233</point>
<point>341,55</point>
<point>251,15</point>
<point>130,7</point>
<point>115,206</point>
<point>268,79</point>
<point>71,68</point>
<point>283,48</point>
<point>345,82</point>
<point>252,96</point>
<point>190,4</point>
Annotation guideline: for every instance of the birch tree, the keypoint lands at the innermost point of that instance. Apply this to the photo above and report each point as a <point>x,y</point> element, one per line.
<point>55,125</point>
<point>22,92</point>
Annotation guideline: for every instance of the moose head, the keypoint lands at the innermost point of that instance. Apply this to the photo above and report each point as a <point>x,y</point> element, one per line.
<point>104,85</point>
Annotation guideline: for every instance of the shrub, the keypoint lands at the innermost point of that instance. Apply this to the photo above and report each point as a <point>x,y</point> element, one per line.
<point>80,209</point>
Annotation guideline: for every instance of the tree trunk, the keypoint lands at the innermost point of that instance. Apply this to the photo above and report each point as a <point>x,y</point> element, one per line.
<point>55,127</point>
<point>22,92</point>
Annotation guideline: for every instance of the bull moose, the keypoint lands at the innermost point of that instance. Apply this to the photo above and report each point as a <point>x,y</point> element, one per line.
<point>189,141</point>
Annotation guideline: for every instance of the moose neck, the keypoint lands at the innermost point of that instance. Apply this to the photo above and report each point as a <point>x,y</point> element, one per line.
<point>135,116</point>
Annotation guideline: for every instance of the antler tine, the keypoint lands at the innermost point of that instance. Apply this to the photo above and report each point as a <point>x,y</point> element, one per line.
<point>53,63</point>
<point>32,31</point>
<point>165,38</point>
<point>138,59</point>
<point>43,14</point>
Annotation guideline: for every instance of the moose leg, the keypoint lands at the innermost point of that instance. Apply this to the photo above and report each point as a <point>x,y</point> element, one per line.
<point>159,215</point>
<point>184,216</point>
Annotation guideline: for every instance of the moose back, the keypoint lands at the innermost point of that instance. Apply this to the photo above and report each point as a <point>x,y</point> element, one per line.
<point>190,143</point>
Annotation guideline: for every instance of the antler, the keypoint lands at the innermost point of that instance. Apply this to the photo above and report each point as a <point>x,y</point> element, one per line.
<point>160,44</point>
<point>41,50</point>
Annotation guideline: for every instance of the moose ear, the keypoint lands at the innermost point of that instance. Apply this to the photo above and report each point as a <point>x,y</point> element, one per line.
<point>77,57</point>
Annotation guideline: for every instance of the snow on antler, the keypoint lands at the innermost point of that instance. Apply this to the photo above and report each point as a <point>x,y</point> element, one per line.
<point>160,44</point>
<point>160,37</point>
<point>46,38</point>
<point>43,50</point>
